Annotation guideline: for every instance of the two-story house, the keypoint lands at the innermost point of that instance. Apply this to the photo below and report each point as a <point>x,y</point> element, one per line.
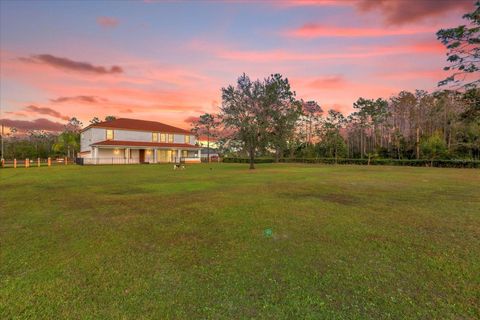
<point>124,141</point>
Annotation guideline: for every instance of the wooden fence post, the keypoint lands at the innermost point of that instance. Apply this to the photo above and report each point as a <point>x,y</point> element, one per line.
<point>49,161</point>
<point>27,163</point>
<point>15,163</point>
<point>3,163</point>
<point>66,161</point>
<point>38,162</point>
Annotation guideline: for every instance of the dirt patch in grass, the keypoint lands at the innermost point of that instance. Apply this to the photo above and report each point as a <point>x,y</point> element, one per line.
<point>127,191</point>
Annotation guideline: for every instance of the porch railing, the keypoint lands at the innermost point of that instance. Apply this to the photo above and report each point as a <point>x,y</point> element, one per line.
<point>106,160</point>
<point>113,160</point>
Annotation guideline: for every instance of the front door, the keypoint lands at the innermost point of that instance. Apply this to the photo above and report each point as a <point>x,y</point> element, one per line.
<point>141,155</point>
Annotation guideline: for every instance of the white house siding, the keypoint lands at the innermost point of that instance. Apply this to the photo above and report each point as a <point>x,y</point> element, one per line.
<point>130,135</point>
<point>179,138</point>
<point>98,134</point>
<point>85,140</point>
<point>91,136</point>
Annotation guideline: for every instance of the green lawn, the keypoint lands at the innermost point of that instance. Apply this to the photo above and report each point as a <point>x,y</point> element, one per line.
<point>144,241</point>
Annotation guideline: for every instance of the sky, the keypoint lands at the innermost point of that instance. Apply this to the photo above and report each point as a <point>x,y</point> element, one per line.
<point>168,60</point>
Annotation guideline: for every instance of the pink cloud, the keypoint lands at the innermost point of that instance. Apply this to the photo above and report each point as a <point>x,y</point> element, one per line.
<point>16,113</point>
<point>349,52</point>
<point>313,30</point>
<point>107,22</point>
<point>265,56</point>
<point>330,82</point>
<point>45,111</point>
<point>399,12</point>
<point>79,99</point>
<point>71,65</point>
<point>304,3</point>
<point>433,75</point>
<point>394,12</point>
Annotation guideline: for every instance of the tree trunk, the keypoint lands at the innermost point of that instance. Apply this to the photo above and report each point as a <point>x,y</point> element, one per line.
<point>348,147</point>
<point>449,139</point>
<point>252,158</point>
<point>310,132</point>
<point>398,148</point>
<point>418,143</point>
<point>277,155</point>
<point>335,150</point>
<point>361,144</point>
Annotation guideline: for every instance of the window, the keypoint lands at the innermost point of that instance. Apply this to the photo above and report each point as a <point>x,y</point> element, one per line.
<point>109,135</point>
<point>184,153</point>
<point>154,137</point>
<point>187,138</point>
<point>170,138</point>
<point>162,137</point>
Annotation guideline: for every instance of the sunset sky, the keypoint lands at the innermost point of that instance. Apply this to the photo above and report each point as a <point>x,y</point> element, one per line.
<point>167,60</point>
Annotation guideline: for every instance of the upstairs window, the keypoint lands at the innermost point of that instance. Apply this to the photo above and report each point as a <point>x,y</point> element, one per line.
<point>187,138</point>
<point>170,138</point>
<point>109,135</point>
<point>162,137</point>
<point>154,137</point>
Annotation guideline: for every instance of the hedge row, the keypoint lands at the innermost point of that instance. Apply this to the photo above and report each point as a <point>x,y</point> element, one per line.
<point>389,162</point>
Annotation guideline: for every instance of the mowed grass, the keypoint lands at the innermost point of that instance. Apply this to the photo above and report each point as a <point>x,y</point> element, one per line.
<point>144,241</point>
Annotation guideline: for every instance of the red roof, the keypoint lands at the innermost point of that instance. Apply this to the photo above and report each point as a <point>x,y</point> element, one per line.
<point>143,144</point>
<point>140,125</point>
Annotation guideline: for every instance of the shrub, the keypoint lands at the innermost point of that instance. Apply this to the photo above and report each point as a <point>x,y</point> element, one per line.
<point>443,163</point>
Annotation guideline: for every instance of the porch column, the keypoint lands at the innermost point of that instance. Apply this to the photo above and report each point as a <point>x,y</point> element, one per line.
<point>199,153</point>
<point>154,155</point>
<point>127,155</point>
<point>95,154</point>
<point>178,155</point>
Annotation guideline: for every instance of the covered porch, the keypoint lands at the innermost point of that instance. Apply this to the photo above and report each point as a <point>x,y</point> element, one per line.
<point>102,154</point>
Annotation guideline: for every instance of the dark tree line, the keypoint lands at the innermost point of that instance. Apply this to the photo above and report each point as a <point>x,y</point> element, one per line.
<point>43,144</point>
